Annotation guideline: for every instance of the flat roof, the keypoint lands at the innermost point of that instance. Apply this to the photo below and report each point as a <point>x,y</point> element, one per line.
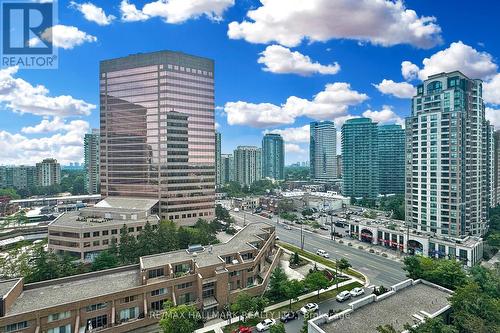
<point>7,285</point>
<point>238,243</point>
<point>396,310</point>
<point>74,220</point>
<point>67,290</point>
<point>127,203</point>
<point>71,197</point>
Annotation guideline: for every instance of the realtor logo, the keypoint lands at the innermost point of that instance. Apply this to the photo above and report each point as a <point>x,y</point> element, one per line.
<point>27,39</point>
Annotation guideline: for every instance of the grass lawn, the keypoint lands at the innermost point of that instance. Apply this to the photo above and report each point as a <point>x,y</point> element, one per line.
<point>322,297</point>
<point>321,260</point>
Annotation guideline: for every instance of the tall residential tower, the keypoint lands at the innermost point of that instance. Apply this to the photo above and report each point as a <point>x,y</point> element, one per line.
<point>157,132</point>
<point>391,159</point>
<point>273,157</point>
<point>91,144</point>
<point>323,151</point>
<point>247,165</point>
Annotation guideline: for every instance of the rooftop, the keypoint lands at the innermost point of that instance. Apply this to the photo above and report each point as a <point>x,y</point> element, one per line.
<point>403,306</point>
<point>6,286</point>
<point>75,220</point>
<point>127,203</point>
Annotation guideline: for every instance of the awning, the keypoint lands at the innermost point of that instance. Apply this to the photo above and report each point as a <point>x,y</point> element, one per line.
<point>210,302</point>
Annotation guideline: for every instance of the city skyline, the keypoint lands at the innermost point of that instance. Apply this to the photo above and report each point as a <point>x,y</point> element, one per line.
<point>309,79</point>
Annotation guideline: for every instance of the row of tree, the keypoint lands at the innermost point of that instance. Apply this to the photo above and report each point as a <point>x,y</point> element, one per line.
<point>260,187</point>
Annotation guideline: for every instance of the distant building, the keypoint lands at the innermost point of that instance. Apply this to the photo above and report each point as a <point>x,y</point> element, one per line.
<point>91,143</point>
<point>496,168</point>
<point>360,169</point>
<point>227,168</point>
<point>323,151</point>
<point>273,156</point>
<point>247,165</point>
<point>339,166</point>
<point>391,159</point>
<point>48,172</point>
<point>218,166</point>
<point>21,177</point>
<point>447,168</point>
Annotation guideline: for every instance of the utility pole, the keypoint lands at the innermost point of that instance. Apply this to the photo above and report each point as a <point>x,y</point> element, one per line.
<point>301,237</point>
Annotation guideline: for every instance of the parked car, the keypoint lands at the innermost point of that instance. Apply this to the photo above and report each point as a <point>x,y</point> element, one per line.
<point>357,292</point>
<point>287,227</point>
<point>324,227</point>
<point>265,325</point>
<point>343,296</point>
<point>322,253</point>
<point>309,307</point>
<point>286,317</point>
<point>277,238</point>
<point>236,209</point>
<point>243,329</point>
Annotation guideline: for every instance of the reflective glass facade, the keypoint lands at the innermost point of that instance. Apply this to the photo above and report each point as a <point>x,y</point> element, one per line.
<point>157,132</point>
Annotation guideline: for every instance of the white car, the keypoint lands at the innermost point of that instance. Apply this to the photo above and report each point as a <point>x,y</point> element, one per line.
<point>236,209</point>
<point>265,325</point>
<point>357,292</point>
<point>322,253</point>
<point>343,296</point>
<point>309,307</point>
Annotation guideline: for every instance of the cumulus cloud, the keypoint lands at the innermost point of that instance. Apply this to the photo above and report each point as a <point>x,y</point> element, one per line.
<point>294,148</point>
<point>20,96</point>
<point>175,11</point>
<point>67,37</point>
<point>380,22</point>
<point>384,116</point>
<point>458,56</point>
<point>397,89</point>
<point>491,90</point>
<point>93,13</point>
<point>493,116</point>
<point>281,60</point>
<point>66,145</point>
<point>409,70</point>
<point>292,134</point>
<point>330,103</point>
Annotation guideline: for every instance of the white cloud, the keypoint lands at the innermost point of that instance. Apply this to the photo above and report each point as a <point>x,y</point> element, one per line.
<point>67,37</point>
<point>294,148</point>
<point>93,13</point>
<point>397,89</point>
<point>381,22</point>
<point>330,103</point>
<point>66,145</point>
<point>175,11</point>
<point>20,96</point>
<point>493,116</point>
<point>130,13</point>
<point>281,60</point>
<point>409,70</point>
<point>293,134</point>
<point>384,116</point>
<point>491,90</point>
<point>458,56</point>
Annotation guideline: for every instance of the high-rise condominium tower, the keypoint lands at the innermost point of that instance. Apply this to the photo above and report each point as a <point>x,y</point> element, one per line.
<point>447,157</point>
<point>496,168</point>
<point>247,164</point>
<point>323,151</point>
<point>227,168</point>
<point>273,157</point>
<point>218,166</point>
<point>157,132</point>
<point>91,144</point>
<point>360,169</point>
<point>48,172</point>
<point>391,159</point>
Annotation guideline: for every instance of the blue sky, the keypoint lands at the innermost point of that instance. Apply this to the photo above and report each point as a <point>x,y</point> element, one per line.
<point>319,59</point>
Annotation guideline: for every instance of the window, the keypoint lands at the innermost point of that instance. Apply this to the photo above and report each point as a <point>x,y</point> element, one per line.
<point>95,307</point>
<point>95,234</point>
<point>105,232</point>
<point>131,229</point>
<point>185,298</point>
<point>130,313</point>
<point>60,329</point>
<point>86,235</point>
<point>157,292</point>
<point>158,305</point>
<point>129,299</point>
<point>59,316</point>
<point>15,327</point>
<point>185,285</point>
<point>99,321</point>
<point>114,231</point>
<point>156,273</point>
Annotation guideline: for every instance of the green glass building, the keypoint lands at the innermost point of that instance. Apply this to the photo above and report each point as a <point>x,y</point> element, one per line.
<point>273,157</point>
<point>360,169</point>
<point>391,159</point>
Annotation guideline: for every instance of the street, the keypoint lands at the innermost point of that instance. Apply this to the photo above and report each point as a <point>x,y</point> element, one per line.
<point>379,270</point>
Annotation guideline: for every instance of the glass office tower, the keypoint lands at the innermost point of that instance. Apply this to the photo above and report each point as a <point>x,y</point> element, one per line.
<point>391,159</point>
<point>157,132</point>
<point>323,151</point>
<point>273,157</point>
<point>447,157</point>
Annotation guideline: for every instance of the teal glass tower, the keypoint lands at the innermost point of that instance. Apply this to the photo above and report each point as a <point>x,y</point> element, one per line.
<point>360,169</point>
<point>323,151</point>
<point>273,157</point>
<point>391,159</point>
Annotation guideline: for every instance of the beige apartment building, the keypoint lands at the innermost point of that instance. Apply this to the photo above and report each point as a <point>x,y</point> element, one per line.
<point>85,233</point>
<point>127,298</point>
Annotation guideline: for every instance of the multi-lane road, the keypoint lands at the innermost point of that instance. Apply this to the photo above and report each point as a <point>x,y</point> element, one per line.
<point>379,270</point>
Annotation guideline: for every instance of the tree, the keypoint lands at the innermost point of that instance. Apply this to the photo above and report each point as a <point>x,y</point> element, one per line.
<point>293,289</point>
<point>10,192</point>
<point>105,260</point>
<point>179,319</point>
<point>343,264</point>
<point>285,205</point>
<point>278,328</point>
<point>317,281</point>
<point>146,240</point>
<point>431,325</point>
<point>386,329</point>
<point>260,304</point>
<point>127,249</point>
<point>447,273</point>
<point>167,239</point>
<point>277,283</point>
<point>295,259</point>
<point>243,305</point>
<point>222,213</point>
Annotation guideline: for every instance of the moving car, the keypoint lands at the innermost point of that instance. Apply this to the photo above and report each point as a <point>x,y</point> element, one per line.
<point>265,325</point>
<point>343,296</point>
<point>309,307</point>
<point>286,317</point>
<point>322,253</point>
<point>287,227</point>
<point>357,292</point>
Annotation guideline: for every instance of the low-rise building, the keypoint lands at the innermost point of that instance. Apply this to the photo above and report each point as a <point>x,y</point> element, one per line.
<point>396,235</point>
<point>90,199</point>
<point>132,297</point>
<point>88,231</point>
<point>321,201</point>
<point>409,302</point>
<point>246,203</point>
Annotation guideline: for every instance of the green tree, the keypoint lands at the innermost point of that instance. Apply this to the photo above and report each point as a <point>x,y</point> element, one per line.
<point>293,289</point>
<point>167,238</point>
<point>278,328</point>
<point>179,319</point>
<point>285,205</point>
<point>343,264</point>
<point>295,259</point>
<point>146,243</point>
<point>127,249</point>
<point>222,213</point>
<point>447,273</point>
<point>277,283</point>
<point>10,192</point>
<point>259,304</point>
<point>105,260</point>
<point>243,305</point>
<point>317,281</point>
